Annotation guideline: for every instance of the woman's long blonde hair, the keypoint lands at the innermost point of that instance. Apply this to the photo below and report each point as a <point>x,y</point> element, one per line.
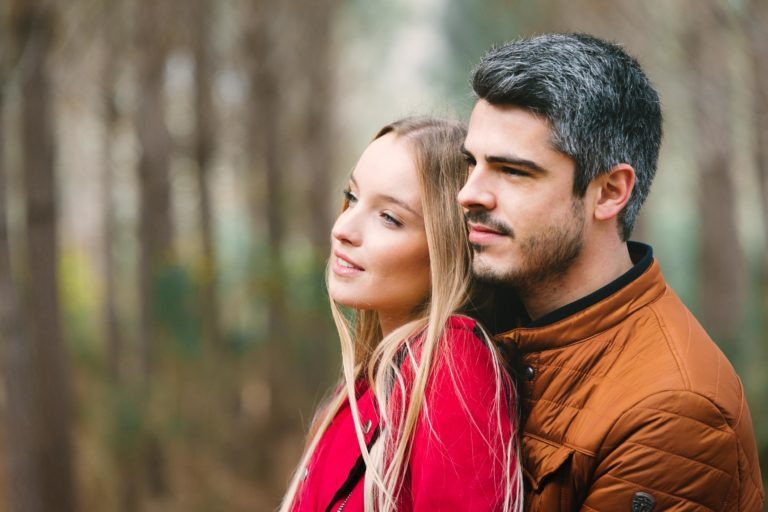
<point>436,146</point>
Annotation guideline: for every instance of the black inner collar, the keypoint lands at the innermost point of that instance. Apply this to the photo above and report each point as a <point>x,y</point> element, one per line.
<point>641,255</point>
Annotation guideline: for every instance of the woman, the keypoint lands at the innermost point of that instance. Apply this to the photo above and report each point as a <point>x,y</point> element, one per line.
<point>423,417</point>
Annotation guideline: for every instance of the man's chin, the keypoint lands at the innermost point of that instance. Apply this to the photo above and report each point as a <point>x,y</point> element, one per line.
<point>485,272</point>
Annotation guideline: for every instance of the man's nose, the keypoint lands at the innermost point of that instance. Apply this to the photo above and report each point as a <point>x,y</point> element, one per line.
<point>477,192</point>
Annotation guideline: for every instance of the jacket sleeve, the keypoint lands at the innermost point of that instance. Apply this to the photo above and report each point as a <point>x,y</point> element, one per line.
<point>456,461</point>
<point>676,451</point>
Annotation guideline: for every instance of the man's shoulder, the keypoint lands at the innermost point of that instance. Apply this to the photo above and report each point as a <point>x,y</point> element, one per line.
<point>667,329</point>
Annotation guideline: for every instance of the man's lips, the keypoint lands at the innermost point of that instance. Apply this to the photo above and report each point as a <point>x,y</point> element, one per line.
<point>481,234</point>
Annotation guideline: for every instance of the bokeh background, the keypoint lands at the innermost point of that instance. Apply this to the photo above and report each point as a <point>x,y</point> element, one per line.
<point>169,171</point>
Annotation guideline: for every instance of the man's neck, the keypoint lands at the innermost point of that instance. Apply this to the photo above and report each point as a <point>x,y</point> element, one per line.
<point>594,268</point>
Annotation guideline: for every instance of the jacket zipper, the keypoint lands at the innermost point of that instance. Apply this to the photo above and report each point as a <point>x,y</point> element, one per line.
<point>344,503</point>
<point>355,474</point>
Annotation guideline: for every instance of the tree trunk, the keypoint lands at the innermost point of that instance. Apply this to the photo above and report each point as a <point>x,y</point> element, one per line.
<point>155,226</point>
<point>319,128</point>
<point>722,269</point>
<point>109,227</point>
<point>204,148</point>
<point>315,63</point>
<point>155,230</point>
<point>38,380</point>
<point>114,31</point>
<point>756,19</point>
<point>264,138</point>
<point>16,351</point>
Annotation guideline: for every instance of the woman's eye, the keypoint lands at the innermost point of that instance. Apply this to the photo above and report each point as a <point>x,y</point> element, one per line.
<point>349,196</point>
<point>391,220</point>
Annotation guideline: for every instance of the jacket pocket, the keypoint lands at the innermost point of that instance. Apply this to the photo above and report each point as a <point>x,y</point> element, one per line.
<point>547,470</point>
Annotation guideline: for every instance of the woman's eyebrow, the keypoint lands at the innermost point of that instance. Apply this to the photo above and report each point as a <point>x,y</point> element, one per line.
<point>389,199</point>
<point>393,199</point>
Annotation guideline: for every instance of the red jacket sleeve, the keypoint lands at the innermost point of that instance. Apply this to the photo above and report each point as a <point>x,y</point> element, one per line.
<point>456,459</point>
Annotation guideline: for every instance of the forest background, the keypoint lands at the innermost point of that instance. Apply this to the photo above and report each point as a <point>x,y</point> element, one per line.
<point>169,171</point>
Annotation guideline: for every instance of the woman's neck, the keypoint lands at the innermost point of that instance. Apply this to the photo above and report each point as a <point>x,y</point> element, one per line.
<point>388,322</point>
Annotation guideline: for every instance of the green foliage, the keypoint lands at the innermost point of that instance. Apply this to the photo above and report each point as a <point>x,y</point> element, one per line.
<point>80,293</point>
<point>177,310</point>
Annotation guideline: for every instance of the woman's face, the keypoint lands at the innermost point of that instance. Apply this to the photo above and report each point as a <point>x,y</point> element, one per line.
<point>379,255</point>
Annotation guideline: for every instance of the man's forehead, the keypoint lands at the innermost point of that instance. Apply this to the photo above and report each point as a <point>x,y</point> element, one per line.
<point>506,126</point>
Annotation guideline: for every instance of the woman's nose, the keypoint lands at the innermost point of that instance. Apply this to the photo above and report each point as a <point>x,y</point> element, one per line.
<point>345,228</point>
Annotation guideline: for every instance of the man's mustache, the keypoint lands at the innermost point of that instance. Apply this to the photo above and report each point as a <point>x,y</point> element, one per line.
<point>484,218</point>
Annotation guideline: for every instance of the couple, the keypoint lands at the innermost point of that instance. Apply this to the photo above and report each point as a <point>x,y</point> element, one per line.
<point>605,395</point>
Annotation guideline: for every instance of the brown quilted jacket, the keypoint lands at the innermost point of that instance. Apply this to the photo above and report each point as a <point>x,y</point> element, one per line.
<point>630,406</point>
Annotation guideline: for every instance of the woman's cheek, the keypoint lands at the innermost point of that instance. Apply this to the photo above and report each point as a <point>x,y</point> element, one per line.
<point>414,273</point>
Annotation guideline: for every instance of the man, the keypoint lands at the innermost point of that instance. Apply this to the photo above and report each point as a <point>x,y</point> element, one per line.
<point>627,404</point>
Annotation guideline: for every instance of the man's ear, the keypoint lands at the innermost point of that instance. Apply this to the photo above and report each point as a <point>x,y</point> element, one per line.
<point>614,189</point>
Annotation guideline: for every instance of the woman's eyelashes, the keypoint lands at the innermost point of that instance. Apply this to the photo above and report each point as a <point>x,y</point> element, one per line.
<point>391,220</point>
<point>349,197</point>
<point>388,218</point>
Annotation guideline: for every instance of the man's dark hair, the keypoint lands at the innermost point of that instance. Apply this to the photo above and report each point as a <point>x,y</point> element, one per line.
<point>602,109</point>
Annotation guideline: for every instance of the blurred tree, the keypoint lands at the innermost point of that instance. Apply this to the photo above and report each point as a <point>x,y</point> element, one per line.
<point>205,128</point>
<point>153,42</point>
<point>39,426</point>
<point>471,30</point>
<point>722,284</point>
<point>290,132</point>
<point>756,21</point>
<point>314,65</point>
<point>155,231</point>
<point>112,33</point>
<point>264,117</point>
<point>16,351</point>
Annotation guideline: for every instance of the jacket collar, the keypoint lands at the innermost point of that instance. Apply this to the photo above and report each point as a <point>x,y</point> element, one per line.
<point>598,311</point>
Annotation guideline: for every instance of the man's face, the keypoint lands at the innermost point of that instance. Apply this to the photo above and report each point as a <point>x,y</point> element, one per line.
<point>525,225</point>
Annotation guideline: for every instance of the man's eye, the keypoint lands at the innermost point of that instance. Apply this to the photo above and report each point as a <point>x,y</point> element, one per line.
<point>514,171</point>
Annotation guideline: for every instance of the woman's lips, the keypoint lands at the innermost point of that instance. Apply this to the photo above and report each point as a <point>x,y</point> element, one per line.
<point>480,234</point>
<point>343,266</point>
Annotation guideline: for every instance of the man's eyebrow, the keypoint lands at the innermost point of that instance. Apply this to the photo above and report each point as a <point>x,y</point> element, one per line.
<point>508,160</point>
<point>517,162</point>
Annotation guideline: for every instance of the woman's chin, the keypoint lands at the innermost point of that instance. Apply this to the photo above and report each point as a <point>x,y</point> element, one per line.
<point>346,300</point>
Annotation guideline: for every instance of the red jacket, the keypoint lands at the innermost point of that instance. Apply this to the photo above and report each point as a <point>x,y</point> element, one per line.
<point>451,467</point>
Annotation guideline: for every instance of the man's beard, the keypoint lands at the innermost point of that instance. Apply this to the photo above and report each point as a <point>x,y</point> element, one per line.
<point>545,256</point>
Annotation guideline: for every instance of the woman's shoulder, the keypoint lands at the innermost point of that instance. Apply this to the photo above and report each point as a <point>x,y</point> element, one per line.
<point>465,347</point>
<point>463,332</point>
<point>461,323</point>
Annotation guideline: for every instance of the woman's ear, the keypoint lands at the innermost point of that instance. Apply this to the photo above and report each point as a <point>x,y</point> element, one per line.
<point>614,189</point>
